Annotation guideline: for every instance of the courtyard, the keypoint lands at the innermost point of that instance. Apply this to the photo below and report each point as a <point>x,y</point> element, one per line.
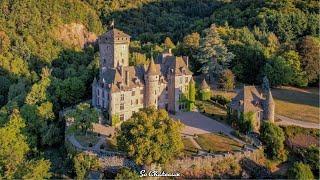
<point>197,123</point>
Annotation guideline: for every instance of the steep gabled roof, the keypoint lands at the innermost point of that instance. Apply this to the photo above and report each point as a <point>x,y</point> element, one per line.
<point>204,85</point>
<point>248,99</point>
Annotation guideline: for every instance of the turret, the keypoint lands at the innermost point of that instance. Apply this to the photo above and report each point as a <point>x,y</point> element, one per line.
<point>270,107</point>
<point>151,79</point>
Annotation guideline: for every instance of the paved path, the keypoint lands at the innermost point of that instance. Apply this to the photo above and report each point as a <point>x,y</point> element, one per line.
<point>196,123</point>
<point>102,140</point>
<point>288,121</point>
<point>74,142</point>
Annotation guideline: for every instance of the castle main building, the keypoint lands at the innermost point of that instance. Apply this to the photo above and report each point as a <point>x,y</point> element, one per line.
<point>122,90</point>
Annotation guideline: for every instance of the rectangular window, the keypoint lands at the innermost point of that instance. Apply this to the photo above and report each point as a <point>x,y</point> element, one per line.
<point>137,101</point>
<point>133,93</point>
<point>181,80</point>
<point>141,91</point>
<point>187,79</point>
<point>121,106</point>
<point>121,117</point>
<point>122,97</point>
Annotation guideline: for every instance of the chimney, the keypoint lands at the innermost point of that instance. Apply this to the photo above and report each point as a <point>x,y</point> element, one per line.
<point>127,77</point>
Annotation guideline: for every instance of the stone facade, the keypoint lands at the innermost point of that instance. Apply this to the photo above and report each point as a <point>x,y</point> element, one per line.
<point>122,90</point>
<point>249,99</point>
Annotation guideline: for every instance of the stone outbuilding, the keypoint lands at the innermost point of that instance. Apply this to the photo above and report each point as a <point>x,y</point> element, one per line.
<point>250,99</point>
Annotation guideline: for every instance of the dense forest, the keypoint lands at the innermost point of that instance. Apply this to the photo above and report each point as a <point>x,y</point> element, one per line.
<point>45,66</point>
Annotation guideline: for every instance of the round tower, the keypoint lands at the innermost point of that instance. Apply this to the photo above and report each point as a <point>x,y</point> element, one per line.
<point>270,107</point>
<point>151,79</point>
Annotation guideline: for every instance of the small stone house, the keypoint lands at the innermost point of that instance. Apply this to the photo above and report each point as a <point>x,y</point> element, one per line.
<point>249,99</point>
<point>122,90</point>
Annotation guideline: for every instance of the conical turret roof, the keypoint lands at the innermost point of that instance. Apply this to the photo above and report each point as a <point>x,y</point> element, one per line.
<point>270,98</point>
<point>152,69</point>
<point>204,84</point>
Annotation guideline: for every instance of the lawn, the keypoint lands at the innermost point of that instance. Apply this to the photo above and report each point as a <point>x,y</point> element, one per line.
<point>217,143</point>
<point>85,140</point>
<point>299,104</point>
<point>211,110</point>
<point>189,148</point>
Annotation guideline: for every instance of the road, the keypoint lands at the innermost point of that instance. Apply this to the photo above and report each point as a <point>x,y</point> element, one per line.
<point>288,121</point>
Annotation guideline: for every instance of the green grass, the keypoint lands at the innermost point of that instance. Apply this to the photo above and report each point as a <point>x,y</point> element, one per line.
<point>85,140</point>
<point>217,143</point>
<point>189,148</point>
<point>212,110</point>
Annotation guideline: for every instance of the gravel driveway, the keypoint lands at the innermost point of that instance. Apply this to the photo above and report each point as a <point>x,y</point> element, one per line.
<point>196,123</point>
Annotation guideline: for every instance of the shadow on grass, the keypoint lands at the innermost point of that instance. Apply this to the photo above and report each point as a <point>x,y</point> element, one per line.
<point>296,96</point>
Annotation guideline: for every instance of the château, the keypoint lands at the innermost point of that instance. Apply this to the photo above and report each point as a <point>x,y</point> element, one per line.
<point>122,90</point>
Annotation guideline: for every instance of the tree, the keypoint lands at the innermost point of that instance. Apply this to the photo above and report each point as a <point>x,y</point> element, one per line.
<point>212,53</point>
<point>278,71</point>
<point>300,171</point>
<point>126,173</point>
<point>83,163</point>
<point>192,95</point>
<point>138,59</point>
<point>38,92</point>
<point>71,90</point>
<point>13,153</point>
<point>309,51</point>
<point>273,138</point>
<point>168,43</point>
<point>83,117</point>
<point>39,169</point>
<point>310,156</point>
<point>150,136</point>
<point>13,146</point>
<point>293,59</point>
<point>192,40</point>
<point>227,80</point>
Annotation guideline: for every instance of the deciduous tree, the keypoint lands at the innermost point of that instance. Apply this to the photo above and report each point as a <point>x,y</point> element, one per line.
<point>273,138</point>
<point>150,136</point>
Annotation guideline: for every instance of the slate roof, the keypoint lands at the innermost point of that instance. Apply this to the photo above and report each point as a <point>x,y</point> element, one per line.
<point>115,78</point>
<point>152,68</point>
<point>248,99</point>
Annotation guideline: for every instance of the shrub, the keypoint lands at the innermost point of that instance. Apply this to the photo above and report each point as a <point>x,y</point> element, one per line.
<point>300,171</point>
<point>205,95</point>
<point>220,99</point>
